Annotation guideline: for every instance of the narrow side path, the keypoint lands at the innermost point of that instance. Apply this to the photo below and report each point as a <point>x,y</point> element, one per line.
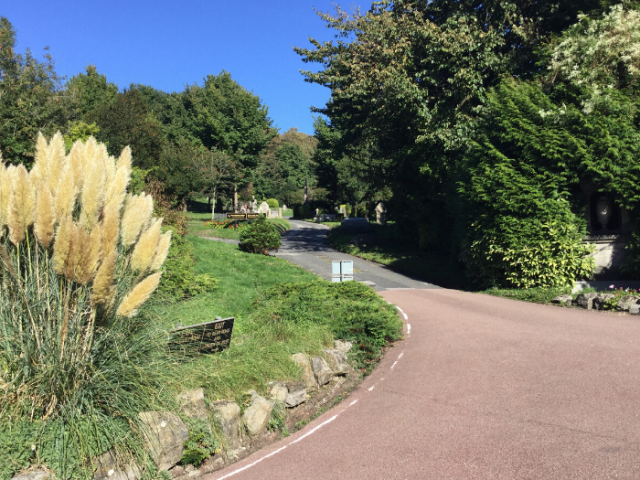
<point>481,388</point>
<point>305,245</point>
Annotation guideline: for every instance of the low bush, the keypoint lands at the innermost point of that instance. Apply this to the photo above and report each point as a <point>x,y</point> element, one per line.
<point>260,237</point>
<point>273,203</point>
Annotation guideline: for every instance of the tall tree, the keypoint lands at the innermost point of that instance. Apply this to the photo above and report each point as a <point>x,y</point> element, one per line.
<point>31,99</point>
<point>91,90</point>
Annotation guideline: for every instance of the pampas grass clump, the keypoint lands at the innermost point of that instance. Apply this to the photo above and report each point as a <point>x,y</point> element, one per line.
<point>79,256</point>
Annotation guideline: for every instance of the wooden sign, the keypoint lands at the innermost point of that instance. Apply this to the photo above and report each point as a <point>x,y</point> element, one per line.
<point>236,216</point>
<point>253,216</point>
<point>210,337</point>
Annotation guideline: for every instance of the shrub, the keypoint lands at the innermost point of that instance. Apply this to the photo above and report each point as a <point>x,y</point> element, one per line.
<point>303,211</point>
<point>200,444</point>
<point>273,203</point>
<point>78,259</point>
<point>259,237</point>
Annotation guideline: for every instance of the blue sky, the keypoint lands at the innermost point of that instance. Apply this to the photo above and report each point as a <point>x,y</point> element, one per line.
<point>168,44</point>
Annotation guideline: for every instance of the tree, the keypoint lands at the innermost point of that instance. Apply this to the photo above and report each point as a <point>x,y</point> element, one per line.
<point>91,90</point>
<point>127,121</point>
<point>215,170</point>
<point>31,99</point>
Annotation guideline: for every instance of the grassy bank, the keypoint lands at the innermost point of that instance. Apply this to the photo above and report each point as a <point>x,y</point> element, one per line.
<point>280,309</point>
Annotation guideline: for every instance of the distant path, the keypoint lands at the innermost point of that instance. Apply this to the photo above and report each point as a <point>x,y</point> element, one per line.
<point>305,245</point>
<point>482,388</point>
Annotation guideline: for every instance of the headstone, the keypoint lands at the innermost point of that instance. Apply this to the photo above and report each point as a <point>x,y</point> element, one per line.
<point>381,214</point>
<point>343,210</point>
<point>264,209</point>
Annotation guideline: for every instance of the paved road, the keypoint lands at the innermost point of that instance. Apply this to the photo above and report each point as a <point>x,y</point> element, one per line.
<point>481,388</point>
<point>305,245</point>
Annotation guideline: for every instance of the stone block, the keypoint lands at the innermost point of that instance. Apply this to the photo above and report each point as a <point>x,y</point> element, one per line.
<point>625,302</point>
<point>188,472</point>
<point>277,391</point>
<point>342,345</point>
<point>164,434</point>
<point>256,416</point>
<point>634,309</point>
<point>307,372</point>
<point>192,404</point>
<point>585,300</point>
<point>110,467</point>
<point>321,370</point>
<point>227,415</point>
<point>338,362</point>
<point>601,299</point>
<point>565,300</point>
<point>297,394</point>
<point>37,475</point>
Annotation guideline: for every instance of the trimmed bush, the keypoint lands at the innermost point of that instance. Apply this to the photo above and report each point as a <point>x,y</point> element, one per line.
<point>260,237</point>
<point>273,203</point>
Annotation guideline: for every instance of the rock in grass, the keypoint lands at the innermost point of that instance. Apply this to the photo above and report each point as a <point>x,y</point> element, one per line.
<point>256,416</point>
<point>39,475</point>
<point>297,394</point>
<point>323,373</point>
<point>188,472</point>
<point>227,415</point>
<point>634,309</point>
<point>625,302</point>
<point>192,404</point>
<point>600,300</point>
<point>585,300</point>
<point>164,434</point>
<point>342,345</point>
<point>565,300</point>
<point>277,391</point>
<point>307,372</point>
<point>111,467</point>
<point>338,362</point>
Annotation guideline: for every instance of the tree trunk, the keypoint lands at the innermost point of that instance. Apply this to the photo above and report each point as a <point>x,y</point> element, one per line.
<point>213,207</point>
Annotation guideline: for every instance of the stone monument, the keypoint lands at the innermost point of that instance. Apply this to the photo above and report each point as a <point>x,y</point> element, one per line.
<point>254,205</point>
<point>264,208</point>
<point>381,214</point>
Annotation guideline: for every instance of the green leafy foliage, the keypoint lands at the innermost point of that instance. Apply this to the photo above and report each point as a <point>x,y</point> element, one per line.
<point>200,445</point>
<point>260,236</point>
<point>273,203</point>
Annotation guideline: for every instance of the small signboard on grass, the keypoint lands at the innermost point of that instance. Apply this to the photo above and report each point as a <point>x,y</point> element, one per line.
<point>236,216</point>
<point>209,337</point>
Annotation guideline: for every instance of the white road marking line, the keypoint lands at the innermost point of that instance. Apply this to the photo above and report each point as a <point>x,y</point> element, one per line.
<point>394,364</point>
<point>313,430</point>
<point>404,314</point>
<point>408,329</point>
<point>252,464</point>
<point>400,356</point>
<point>371,388</point>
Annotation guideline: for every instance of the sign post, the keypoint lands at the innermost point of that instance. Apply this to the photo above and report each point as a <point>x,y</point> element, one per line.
<point>342,271</point>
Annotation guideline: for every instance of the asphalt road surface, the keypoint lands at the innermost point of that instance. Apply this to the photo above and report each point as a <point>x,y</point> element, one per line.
<point>480,388</point>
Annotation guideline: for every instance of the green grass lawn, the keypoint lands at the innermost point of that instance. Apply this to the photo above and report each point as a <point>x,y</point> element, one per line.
<point>263,339</point>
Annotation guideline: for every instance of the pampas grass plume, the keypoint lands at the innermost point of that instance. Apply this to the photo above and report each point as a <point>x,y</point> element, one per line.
<point>138,210</point>
<point>39,169</point>
<point>45,221</point>
<point>103,283</point>
<point>66,192</point>
<point>93,195</point>
<point>22,204</point>
<point>145,249</point>
<point>90,259</point>
<point>56,161</point>
<point>138,295</point>
<point>62,244</point>
<point>5,192</point>
<point>161,252</point>
<point>110,229</point>
<point>76,160</point>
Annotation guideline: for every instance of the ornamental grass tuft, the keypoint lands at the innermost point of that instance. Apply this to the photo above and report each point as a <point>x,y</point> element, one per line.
<point>78,259</point>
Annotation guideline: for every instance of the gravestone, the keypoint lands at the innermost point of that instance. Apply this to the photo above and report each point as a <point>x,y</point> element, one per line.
<point>264,209</point>
<point>381,214</point>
